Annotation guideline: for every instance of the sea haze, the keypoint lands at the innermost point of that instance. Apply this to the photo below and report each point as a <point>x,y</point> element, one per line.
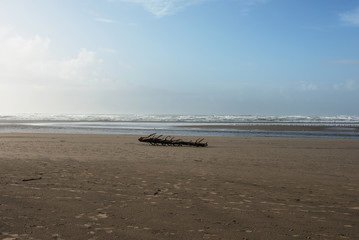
<point>186,125</point>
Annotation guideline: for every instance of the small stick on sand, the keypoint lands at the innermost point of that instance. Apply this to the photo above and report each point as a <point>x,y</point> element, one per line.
<point>31,179</point>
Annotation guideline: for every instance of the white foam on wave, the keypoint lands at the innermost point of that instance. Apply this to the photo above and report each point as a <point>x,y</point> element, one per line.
<point>179,118</point>
<point>189,125</point>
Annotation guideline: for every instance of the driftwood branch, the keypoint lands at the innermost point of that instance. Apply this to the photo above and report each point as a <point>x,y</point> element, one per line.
<point>155,140</point>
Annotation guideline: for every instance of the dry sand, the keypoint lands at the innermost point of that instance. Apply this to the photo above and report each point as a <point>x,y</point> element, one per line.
<point>55,186</point>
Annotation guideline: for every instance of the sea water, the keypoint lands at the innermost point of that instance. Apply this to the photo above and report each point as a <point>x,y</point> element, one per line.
<point>187,125</point>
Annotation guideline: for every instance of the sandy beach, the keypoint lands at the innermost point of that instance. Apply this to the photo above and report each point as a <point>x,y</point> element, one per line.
<point>58,186</point>
<point>291,128</point>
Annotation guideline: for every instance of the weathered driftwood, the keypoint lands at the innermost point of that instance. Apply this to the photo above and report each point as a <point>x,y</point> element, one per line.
<point>153,139</point>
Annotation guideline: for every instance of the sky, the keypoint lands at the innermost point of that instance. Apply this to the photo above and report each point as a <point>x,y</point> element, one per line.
<point>225,57</point>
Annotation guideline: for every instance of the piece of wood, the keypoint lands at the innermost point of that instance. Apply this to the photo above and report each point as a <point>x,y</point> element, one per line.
<point>171,141</point>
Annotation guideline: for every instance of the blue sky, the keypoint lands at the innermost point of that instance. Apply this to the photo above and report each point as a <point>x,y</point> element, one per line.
<point>264,57</point>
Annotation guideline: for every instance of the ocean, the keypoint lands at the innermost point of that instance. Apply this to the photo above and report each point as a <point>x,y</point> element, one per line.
<point>184,125</point>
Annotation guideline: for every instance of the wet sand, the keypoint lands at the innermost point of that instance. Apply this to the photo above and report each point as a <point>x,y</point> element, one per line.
<point>291,128</point>
<point>57,186</point>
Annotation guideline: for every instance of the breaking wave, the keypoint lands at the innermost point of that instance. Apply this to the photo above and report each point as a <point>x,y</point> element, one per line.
<point>179,118</point>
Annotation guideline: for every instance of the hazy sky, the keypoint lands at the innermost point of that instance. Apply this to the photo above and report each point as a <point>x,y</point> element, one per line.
<point>291,57</point>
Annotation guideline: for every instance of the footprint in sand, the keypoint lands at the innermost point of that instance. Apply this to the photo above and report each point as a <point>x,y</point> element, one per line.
<point>93,218</point>
<point>98,216</point>
<point>102,215</point>
<point>107,230</point>
<point>80,215</point>
<point>13,236</point>
<point>133,227</point>
<point>355,208</point>
<point>56,236</point>
<point>87,225</point>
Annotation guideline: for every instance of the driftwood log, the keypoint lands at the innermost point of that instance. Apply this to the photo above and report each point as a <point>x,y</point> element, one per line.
<point>155,140</point>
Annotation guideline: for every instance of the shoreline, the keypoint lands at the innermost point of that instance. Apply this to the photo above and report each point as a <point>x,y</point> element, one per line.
<point>86,186</point>
<point>337,131</point>
<point>284,128</point>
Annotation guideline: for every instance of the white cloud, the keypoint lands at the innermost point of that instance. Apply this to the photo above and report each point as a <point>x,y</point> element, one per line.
<point>4,31</point>
<point>161,8</point>
<point>348,85</point>
<point>98,18</point>
<point>32,79</point>
<point>246,5</point>
<point>344,85</point>
<point>29,61</point>
<point>351,17</point>
<point>308,86</point>
<point>254,2</point>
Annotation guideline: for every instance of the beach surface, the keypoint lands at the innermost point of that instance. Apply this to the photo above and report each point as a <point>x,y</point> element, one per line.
<point>65,186</point>
<point>285,128</point>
